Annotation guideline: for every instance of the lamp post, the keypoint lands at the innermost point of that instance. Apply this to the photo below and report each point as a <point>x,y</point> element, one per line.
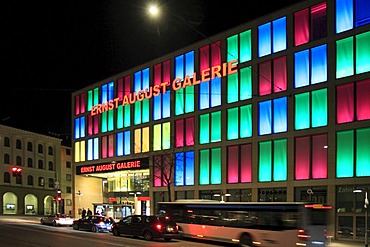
<point>366,204</point>
<point>136,204</point>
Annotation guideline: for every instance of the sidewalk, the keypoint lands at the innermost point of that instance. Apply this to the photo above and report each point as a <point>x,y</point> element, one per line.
<point>344,243</point>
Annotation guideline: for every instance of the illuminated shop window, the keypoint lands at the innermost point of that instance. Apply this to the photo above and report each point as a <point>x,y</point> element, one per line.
<point>273,164</point>
<point>273,116</point>
<point>239,47</point>
<point>162,136</point>
<point>184,168</point>
<point>272,76</point>
<point>80,104</point>
<point>310,66</point>
<point>141,105</point>
<point>80,151</point>
<point>310,24</point>
<point>353,153</point>
<point>79,127</point>
<point>161,102</point>
<point>107,146</point>
<point>239,85</point>
<point>141,140</point>
<point>123,143</point>
<point>210,91</point>
<point>184,97</point>
<point>353,57</point>
<point>93,149</point>
<point>272,37</point>
<point>162,165</point>
<point>311,157</point>
<point>311,109</point>
<point>184,132</point>
<point>210,127</point>
<point>123,111</point>
<point>353,102</point>
<point>210,166</point>
<point>239,122</point>
<point>239,164</point>
<point>348,12</point>
<point>107,117</point>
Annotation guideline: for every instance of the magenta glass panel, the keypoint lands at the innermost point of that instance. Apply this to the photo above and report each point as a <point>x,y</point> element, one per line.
<point>232,164</point>
<point>345,103</point>
<point>246,163</point>
<point>265,78</point>
<point>319,156</point>
<point>189,135</point>
<point>120,88</point>
<point>280,75</point>
<point>204,57</point>
<point>82,103</point>
<point>127,85</point>
<point>96,124</point>
<point>302,158</point>
<point>216,53</point>
<point>157,74</point>
<point>77,105</point>
<point>166,71</point>
<point>89,125</point>
<point>363,100</point>
<point>157,171</point>
<point>110,146</point>
<point>179,133</point>
<point>301,27</point>
<point>104,147</point>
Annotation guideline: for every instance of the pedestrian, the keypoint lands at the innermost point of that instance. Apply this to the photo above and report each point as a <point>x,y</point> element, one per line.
<point>89,212</point>
<point>83,212</point>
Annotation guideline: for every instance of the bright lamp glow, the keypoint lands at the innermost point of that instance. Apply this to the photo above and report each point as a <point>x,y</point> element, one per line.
<point>153,10</point>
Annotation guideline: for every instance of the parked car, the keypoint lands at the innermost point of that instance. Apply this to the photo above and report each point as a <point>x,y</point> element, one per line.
<point>94,223</point>
<point>57,220</point>
<point>147,226</point>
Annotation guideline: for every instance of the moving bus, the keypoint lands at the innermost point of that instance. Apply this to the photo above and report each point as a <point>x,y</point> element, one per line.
<point>277,224</point>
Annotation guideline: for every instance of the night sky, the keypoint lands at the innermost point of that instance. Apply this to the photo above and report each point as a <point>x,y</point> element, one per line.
<point>49,49</point>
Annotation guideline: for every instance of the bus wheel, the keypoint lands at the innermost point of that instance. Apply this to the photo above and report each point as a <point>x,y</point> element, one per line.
<point>246,240</point>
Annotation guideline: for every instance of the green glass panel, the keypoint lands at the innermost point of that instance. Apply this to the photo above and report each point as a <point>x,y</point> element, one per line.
<point>166,139</point>
<point>179,102</point>
<point>96,96</point>
<point>245,46</point>
<point>216,126</point>
<point>363,152</point>
<point>127,116</point>
<point>110,120</point>
<point>246,83</point>
<point>145,111</point>
<point>363,53</point>
<point>120,117</point>
<point>204,167</point>
<point>232,88</point>
<point>157,140</point>
<point>232,48</point>
<point>204,128</point>
<point>302,111</point>
<point>216,166</point>
<point>189,99</point>
<point>89,100</point>
<point>233,123</point>
<point>280,160</point>
<point>137,112</point>
<point>345,154</point>
<point>104,124</point>
<point>344,58</point>
<point>265,166</point>
<point>246,121</point>
<point>319,108</point>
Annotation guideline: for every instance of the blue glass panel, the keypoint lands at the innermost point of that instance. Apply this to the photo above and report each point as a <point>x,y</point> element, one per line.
<point>189,168</point>
<point>264,40</point>
<point>179,169</point>
<point>127,142</point>
<point>119,144</point>
<point>216,92</point>
<point>204,95</point>
<point>279,34</point>
<point>362,12</point>
<point>319,64</point>
<point>89,149</point>
<point>280,115</point>
<point>96,148</point>
<point>77,128</point>
<point>104,93</point>
<point>82,127</point>
<point>344,15</point>
<point>110,90</point>
<point>264,118</point>
<point>301,69</point>
<point>157,108</point>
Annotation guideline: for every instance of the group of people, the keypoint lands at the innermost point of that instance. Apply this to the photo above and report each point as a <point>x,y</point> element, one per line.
<point>84,213</point>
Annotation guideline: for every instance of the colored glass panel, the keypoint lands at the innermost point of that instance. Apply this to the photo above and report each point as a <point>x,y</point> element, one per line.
<point>179,169</point>
<point>280,75</point>
<point>157,137</point>
<point>279,34</point>
<point>363,152</point>
<point>246,121</point>
<point>319,108</point>
<point>302,158</point>
<point>179,133</point>
<point>216,126</point>
<point>280,169</point>
<point>119,144</point>
<point>319,156</point>
<point>280,120</point>
<point>232,88</point>
<point>127,142</point>
<point>318,21</point>
<point>232,48</point>
<point>204,130</point>
<point>189,90</point>
<point>301,69</point>
<point>232,164</point>
<point>179,94</point>
<point>245,46</point>
<point>204,168</point>
<point>233,123</point>
<point>146,139</point>
<point>302,111</point>
<point>204,87</point>
<point>343,15</point>
<point>362,100</point>
<point>264,39</point>
<point>344,62</point>
<point>265,78</point>
<point>319,64</point>
<point>216,166</point>
<point>363,53</point>
<point>265,118</point>
<point>345,154</point>
<point>362,12</point>
<point>345,103</point>
<point>246,83</point>
<point>137,141</point>
<point>189,168</point>
<point>265,162</point>
<point>189,133</point>
<point>166,138</point>
<point>246,163</point>
<point>301,27</point>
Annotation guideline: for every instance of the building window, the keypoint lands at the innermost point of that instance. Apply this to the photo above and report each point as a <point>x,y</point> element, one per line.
<point>210,166</point>
<point>18,144</point>
<point>68,201</point>
<point>6,159</point>
<point>50,151</point>
<point>184,168</point>
<point>6,177</point>
<point>30,180</point>
<point>40,149</point>
<point>272,37</point>
<point>30,162</point>
<point>69,189</point>
<point>51,166</point>
<point>272,195</point>
<point>51,183</point>
<point>68,164</point>
<point>18,180</point>
<point>239,163</point>
<point>68,151</point>
<point>240,195</point>
<point>41,164</point>
<point>184,132</point>
<point>350,13</point>
<point>161,136</point>
<point>68,177</point>
<point>41,181</point>
<point>18,161</point>
<point>6,142</point>
<point>29,146</point>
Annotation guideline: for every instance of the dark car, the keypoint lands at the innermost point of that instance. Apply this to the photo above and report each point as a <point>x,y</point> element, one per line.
<point>94,223</point>
<point>147,226</point>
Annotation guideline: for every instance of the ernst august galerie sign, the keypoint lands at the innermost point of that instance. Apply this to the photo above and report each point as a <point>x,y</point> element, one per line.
<point>113,167</point>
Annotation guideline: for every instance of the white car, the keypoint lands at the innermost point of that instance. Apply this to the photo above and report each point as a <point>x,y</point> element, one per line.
<point>57,220</point>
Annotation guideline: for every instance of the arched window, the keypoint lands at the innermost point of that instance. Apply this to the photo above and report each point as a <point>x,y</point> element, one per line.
<point>50,150</point>
<point>51,182</point>
<point>6,142</point>
<point>18,144</point>
<point>6,159</point>
<point>41,181</point>
<point>18,179</point>
<point>6,177</point>
<point>30,162</point>
<point>30,180</point>
<point>18,161</point>
<point>51,166</point>
<point>41,164</point>
<point>29,146</point>
<point>40,149</point>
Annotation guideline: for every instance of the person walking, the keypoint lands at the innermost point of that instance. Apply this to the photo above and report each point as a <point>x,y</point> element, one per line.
<point>83,212</point>
<point>89,212</point>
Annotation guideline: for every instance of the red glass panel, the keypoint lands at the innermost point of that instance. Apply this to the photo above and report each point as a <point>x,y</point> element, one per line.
<point>246,163</point>
<point>302,158</point>
<point>104,147</point>
<point>363,100</point>
<point>301,27</point>
<point>345,103</point>
<point>179,132</point>
<point>232,164</point>
<point>319,156</point>
<point>280,75</point>
<point>189,134</point>
<point>265,78</point>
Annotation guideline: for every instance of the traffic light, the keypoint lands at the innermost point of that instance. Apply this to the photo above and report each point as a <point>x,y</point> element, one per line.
<point>59,195</point>
<point>17,171</point>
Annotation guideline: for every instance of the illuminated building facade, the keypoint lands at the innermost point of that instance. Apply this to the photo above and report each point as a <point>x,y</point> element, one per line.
<point>276,109</point>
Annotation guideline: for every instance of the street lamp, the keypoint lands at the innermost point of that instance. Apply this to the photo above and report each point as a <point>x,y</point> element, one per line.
<point>222,196</point>
<point>366,204</point>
